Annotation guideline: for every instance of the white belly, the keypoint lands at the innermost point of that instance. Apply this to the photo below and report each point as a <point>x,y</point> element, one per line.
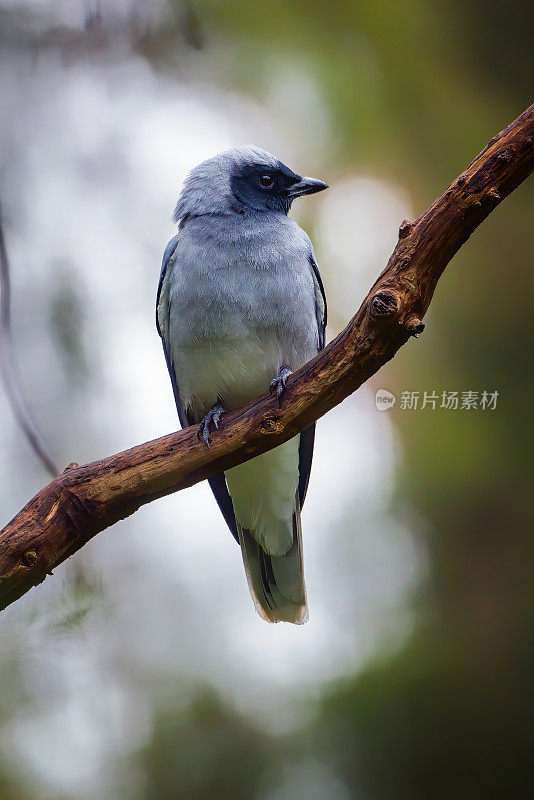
<point>263,490</point>
<point>232,371</point>
<point>263,493</point>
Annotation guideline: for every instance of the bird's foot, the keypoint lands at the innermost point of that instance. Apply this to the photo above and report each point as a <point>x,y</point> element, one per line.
<point>213,415</point>
<point>278,385</point>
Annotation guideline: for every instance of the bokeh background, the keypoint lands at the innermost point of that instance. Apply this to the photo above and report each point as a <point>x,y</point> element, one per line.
<point>140,671</point>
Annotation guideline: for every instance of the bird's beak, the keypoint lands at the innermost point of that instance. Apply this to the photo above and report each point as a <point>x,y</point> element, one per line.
<point>307,186</point>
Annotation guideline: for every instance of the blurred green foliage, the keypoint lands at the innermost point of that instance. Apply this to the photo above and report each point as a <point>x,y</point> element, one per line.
<point>193,753</point>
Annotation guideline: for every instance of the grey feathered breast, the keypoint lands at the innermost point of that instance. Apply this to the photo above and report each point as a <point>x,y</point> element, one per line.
<point>208,249</point>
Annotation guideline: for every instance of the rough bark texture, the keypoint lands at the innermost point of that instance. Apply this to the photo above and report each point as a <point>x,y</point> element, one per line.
<point>84,500</point>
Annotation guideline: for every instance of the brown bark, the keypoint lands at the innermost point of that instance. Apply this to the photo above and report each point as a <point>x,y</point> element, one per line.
<point>84,500</point>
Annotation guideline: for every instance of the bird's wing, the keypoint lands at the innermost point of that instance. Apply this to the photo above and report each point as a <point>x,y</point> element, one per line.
<point>320,301</point>
<point>307,437</point>
<point>162,323</point>
<point>217,482</point>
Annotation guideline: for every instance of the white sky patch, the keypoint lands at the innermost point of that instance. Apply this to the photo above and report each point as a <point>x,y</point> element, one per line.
<point>294,100</point>
<point>305,779</point>
<point>356,233</point>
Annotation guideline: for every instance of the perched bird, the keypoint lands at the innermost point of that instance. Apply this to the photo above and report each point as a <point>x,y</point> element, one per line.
<point>240,306</point>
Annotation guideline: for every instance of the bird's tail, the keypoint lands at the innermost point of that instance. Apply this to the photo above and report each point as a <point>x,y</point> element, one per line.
<point>276,583</point>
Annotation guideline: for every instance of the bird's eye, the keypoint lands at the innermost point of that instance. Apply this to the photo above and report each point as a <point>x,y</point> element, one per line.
<point>266,181</point>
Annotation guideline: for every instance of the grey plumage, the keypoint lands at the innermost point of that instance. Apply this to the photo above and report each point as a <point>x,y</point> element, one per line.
<point>239,299</point>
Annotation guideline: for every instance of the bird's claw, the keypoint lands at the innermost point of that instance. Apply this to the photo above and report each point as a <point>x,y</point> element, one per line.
<point>278,385</point>
<point>213,415</point>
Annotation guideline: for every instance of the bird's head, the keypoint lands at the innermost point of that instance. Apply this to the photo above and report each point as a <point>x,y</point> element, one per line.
<point>243,179</point>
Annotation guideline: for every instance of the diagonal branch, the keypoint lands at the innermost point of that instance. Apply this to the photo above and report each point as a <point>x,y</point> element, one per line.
<point>84,500</point>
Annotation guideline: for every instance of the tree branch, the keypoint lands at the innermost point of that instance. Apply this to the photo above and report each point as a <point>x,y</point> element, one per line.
<point>84,500</point>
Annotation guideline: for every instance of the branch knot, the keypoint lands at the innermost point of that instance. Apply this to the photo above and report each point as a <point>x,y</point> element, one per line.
<point>385,303</point>
<point>405,228</point>
<point>270,425</point>
<point>29,559</point>
<point>414,326</point>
